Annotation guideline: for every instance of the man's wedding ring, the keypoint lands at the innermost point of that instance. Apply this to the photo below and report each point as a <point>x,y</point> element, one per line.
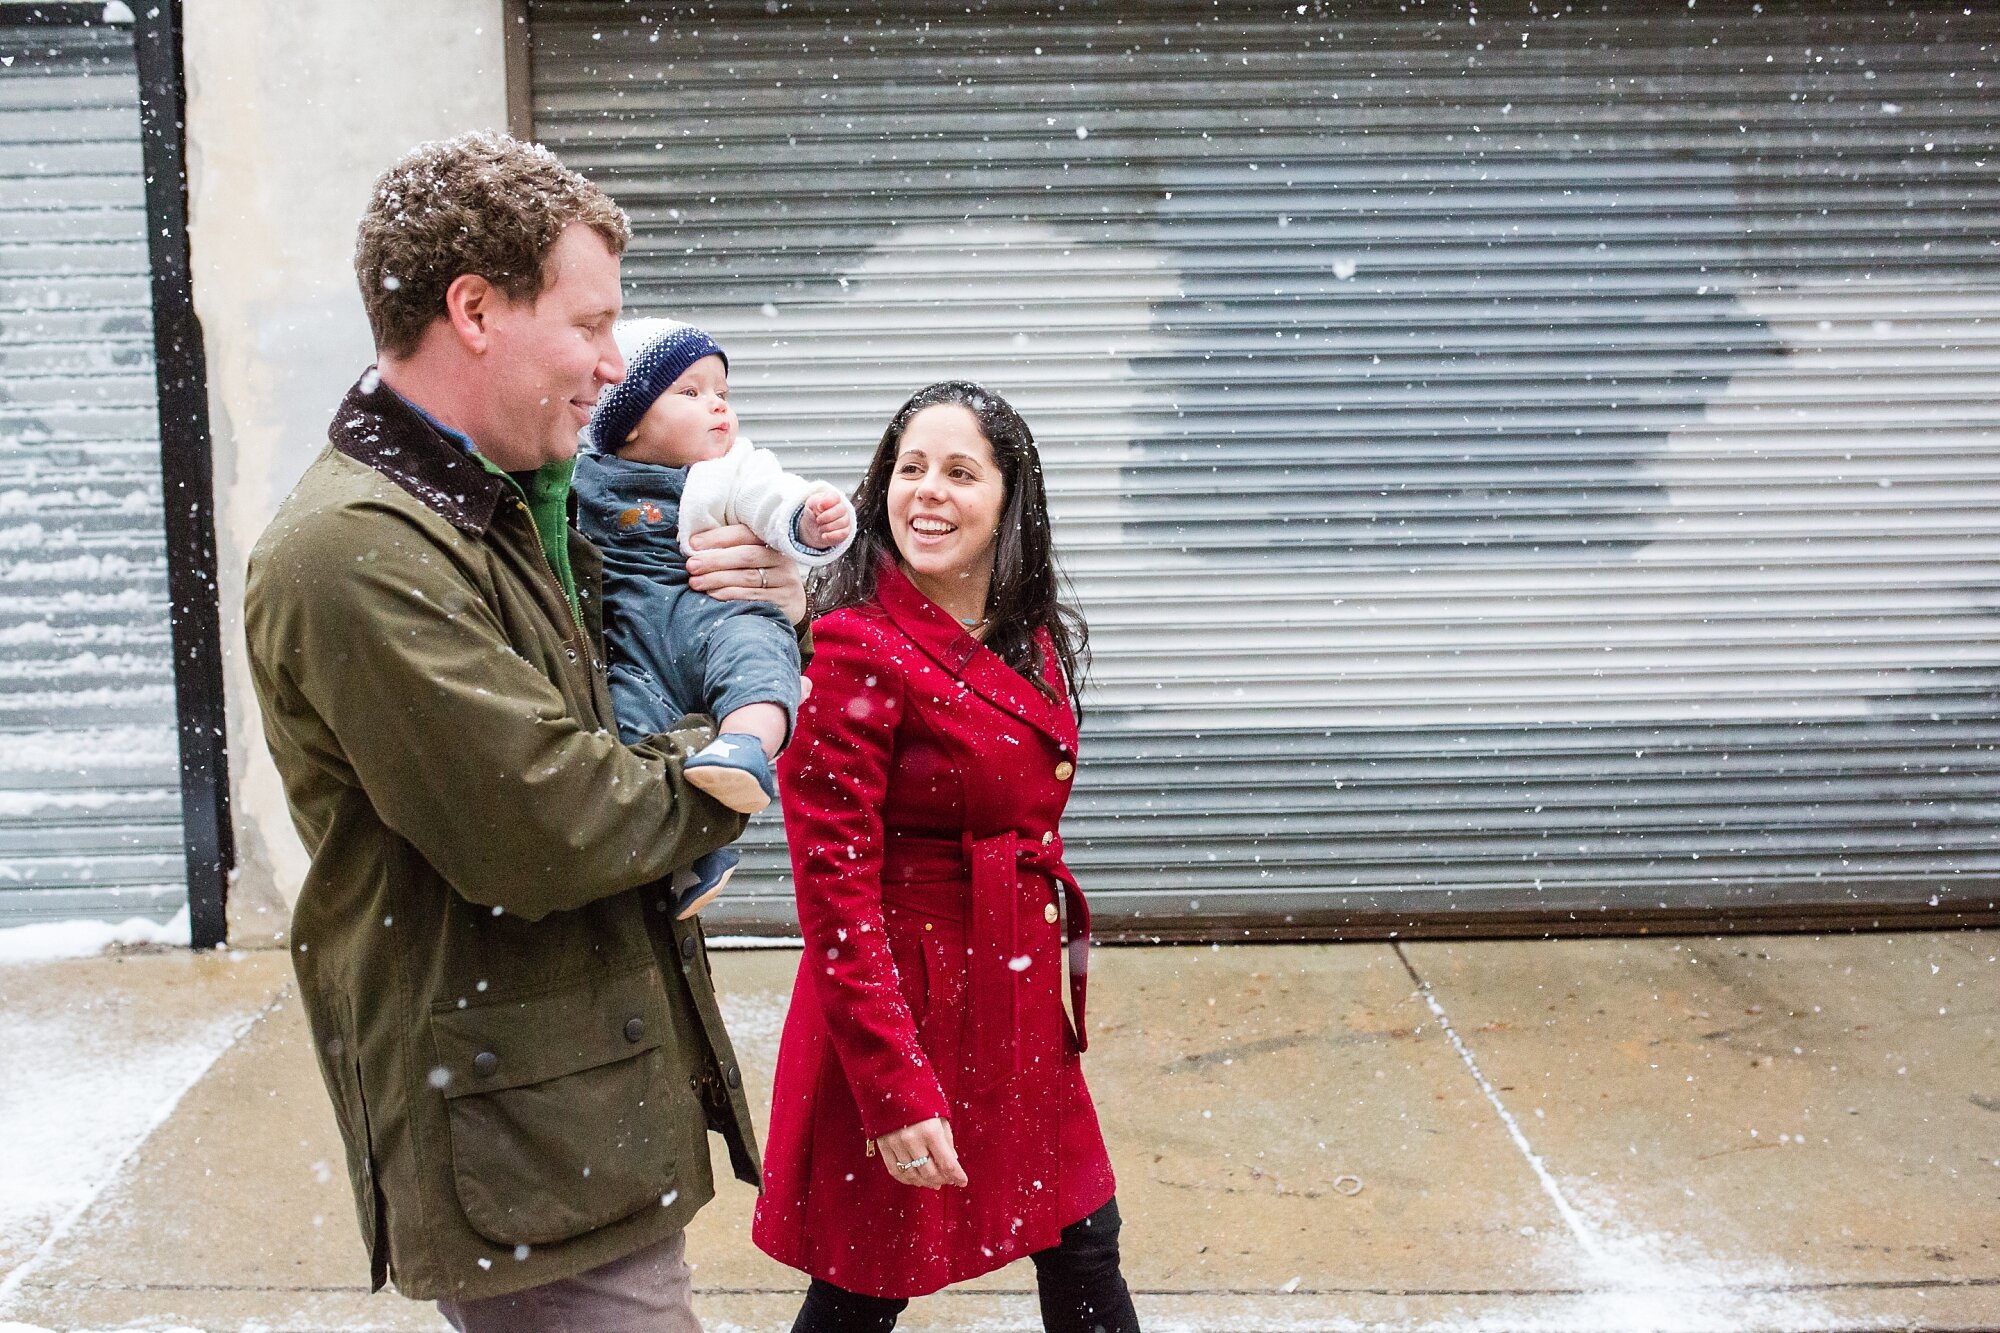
<point>913,1164</point>
<point>761,581</point>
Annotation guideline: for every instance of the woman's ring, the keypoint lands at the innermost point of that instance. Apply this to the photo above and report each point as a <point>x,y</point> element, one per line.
<point>913,1163</point>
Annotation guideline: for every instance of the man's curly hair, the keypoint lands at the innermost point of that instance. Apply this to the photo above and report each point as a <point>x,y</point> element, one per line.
<point>480,203</point>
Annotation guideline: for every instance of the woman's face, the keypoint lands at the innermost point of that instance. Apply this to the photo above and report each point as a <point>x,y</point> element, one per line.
<point>945,496</point>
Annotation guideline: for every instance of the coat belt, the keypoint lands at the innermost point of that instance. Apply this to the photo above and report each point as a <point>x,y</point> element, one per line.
<point>977,882</point>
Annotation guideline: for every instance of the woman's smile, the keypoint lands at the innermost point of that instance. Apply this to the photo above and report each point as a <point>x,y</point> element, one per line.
<point>944,502</point>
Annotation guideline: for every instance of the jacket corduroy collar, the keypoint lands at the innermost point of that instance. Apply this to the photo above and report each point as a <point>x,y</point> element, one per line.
<point>942,638</point>
<point>376,427</point>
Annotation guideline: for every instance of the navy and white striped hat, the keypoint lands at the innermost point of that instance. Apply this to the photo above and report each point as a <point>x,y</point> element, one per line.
<point>656,352</point>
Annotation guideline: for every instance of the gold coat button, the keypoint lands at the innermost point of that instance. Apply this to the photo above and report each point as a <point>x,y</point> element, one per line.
<point>1064,770</point>
<point>1049,913</point>
<point>1048,838</point>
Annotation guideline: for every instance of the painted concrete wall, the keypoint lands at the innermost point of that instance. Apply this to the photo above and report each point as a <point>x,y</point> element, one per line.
<point>293,110</point>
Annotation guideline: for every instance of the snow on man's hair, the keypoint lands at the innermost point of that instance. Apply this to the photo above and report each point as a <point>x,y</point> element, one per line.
<point>480,203</point>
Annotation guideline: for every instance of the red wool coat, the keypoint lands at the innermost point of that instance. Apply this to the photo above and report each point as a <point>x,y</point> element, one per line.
<point>922,792</point>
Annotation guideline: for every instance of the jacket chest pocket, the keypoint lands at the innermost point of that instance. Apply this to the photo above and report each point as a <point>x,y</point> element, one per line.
<point>560,1106</point>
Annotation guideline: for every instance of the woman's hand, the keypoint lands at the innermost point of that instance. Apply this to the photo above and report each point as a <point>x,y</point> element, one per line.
<point>927,1142</point>
<point>730,564</point>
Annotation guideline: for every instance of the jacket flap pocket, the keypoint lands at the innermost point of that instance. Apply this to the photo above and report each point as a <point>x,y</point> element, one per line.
<point>513,1040</point>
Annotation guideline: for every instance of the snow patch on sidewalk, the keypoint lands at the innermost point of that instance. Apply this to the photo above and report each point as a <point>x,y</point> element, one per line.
<point>1624,1278</point>
<point>6,1327</point>
<point>81,1094</point>
<point>46,941</point>
<point>1642,1281</point>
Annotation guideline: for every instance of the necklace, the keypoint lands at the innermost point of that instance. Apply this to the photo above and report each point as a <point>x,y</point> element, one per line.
<point>974,624</point>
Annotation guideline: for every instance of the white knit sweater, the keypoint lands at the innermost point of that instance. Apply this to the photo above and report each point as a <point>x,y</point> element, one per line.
<point>747,485</point>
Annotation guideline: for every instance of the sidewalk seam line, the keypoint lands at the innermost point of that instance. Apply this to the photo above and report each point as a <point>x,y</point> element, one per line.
<point>1564,1209</point>
<point>10,1285</point>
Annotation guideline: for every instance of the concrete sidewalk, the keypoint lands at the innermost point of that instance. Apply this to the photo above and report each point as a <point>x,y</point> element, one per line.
<point>1731,1134</point>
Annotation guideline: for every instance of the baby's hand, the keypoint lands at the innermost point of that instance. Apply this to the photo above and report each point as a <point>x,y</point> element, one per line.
<point>827,522</point>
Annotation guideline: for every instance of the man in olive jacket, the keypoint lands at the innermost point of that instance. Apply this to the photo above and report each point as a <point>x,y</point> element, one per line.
<point>521,1041</point>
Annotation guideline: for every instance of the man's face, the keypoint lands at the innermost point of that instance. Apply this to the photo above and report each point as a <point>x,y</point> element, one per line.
<point>547,359</point>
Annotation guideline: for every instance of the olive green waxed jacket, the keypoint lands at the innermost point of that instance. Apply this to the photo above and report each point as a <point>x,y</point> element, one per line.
<point>522,1044</point>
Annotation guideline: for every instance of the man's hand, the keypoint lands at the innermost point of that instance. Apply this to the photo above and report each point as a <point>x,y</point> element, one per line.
<point>730,564</point>
<point>827,520</point>
<point>926,1149</point>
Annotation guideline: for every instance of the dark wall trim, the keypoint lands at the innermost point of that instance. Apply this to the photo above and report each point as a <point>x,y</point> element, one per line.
<point>1807,918</point>
<point>520,64</point>
<point>1357,927</point>
<point>187,474</point>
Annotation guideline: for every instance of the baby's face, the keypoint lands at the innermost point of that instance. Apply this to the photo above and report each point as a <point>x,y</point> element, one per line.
<point>689,423</point>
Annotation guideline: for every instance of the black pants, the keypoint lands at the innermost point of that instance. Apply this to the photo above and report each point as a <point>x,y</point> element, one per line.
<point>1080,1286</point>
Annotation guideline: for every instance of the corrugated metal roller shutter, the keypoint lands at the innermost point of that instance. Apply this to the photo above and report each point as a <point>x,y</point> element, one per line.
<point>1515,469</point>
<point>89,786</point>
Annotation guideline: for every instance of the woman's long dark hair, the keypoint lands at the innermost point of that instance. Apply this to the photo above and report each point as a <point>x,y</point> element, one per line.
<point>1026,593</point>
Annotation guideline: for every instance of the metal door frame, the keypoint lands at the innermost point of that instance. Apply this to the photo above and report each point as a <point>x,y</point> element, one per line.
<point>187,472</point>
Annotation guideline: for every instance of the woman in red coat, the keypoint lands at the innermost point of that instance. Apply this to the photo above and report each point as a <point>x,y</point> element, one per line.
<point>930,1121</point>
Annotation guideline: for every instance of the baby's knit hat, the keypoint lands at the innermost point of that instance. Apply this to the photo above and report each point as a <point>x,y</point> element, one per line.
<point>656,351</point>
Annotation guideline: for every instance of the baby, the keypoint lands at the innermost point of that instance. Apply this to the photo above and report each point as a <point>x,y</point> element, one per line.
<point>665,462</point>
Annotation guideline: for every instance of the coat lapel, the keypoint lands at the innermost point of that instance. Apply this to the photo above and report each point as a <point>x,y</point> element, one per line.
<point>376,427</point>
<point>945,641</point>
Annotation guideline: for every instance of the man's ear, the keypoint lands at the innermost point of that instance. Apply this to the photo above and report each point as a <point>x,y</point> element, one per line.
<point>469,305</point>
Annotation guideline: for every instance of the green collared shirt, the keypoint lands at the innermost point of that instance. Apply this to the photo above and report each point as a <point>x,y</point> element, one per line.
<point>546,493</point>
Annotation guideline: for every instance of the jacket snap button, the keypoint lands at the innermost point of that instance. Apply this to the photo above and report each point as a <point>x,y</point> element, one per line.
<point>687,948</point>
<point>732,1078</point>
<point>1049,913</point>
<point>486,1064</point>
<point>635,1029</point>
<point>1048,838</point>
<point>1064,770</point>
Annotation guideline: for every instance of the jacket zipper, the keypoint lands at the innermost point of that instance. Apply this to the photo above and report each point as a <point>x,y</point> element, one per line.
<point>576,642</point>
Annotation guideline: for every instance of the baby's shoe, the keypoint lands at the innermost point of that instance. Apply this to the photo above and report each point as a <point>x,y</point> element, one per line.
<point>732,768</point>
<point>696,887</point>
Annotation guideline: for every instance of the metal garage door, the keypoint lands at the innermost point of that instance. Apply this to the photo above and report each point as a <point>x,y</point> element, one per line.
<point>1522,469</point>
<point>90,813</point>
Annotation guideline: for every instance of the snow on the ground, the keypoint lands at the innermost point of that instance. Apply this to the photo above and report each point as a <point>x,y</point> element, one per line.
<point>44,941</point>
<point>1640,1281</point>
<point>6,1327</point>
<point>1604,1273</point>
<point>85,1083</point>
<point>76,1100</point>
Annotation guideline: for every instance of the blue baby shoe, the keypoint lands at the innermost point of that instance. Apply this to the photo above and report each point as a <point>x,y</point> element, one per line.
<point>696,887</point>
<point>732,768</point>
